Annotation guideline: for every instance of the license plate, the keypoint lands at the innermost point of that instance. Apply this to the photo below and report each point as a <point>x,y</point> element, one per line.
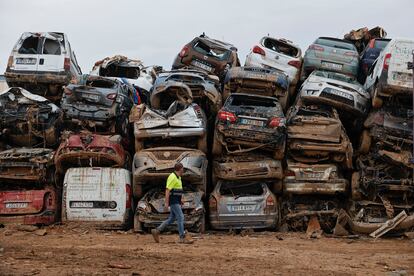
<point>201,65</point>
<point>330,65</point>
<point>91,97</point>
<point>251,122</point>
<point>257,75</point>
<point>17,205</point>
<point>240,208</point>
<point>81,204</point>
<point>26,61</point>
<point>342,94</point>
<point>314,175</point>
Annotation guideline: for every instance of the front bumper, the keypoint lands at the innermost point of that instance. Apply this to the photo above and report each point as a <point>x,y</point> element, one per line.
<point>243,221</point>
<point>329,187</point>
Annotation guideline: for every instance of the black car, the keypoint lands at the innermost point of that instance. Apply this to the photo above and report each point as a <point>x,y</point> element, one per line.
<point>99,104</point>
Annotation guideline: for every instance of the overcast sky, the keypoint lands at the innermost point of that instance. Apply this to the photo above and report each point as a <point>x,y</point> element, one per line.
<point>155,31</point>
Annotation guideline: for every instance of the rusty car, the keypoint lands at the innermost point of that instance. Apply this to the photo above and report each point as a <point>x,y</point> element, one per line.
<point>28,119</point>
<point>246,204</point>
<point>151,210</point>
<point>99,104</point>
<point>154,164</point>
<point>258,81</point>
<point>316,134</point>
<point>87,149</point>
<point>250,122</point>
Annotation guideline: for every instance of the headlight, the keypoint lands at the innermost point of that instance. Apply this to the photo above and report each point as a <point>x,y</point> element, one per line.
<point>311,92</point>
<point>142,205</point>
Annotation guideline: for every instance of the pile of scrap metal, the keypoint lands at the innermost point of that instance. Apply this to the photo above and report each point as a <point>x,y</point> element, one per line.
<point>362,36</point>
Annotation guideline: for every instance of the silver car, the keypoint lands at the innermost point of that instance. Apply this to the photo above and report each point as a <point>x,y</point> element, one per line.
<point>338,90</point>
<point>243,204</point>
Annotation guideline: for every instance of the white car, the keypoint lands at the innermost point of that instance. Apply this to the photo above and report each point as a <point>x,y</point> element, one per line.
<point>335,89</point>
<point>281,54</point>
<point>42,63</point>
<point>389,74</point>
<point>101,196</point>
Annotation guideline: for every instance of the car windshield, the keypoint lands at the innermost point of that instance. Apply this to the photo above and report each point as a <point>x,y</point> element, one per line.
<point>336,76</point>
<point>30,45</point>
<point>238,189</point>
<point>245,100</point>
<point>381,44</point>
<point>218,53</point>
<point>335,43</point>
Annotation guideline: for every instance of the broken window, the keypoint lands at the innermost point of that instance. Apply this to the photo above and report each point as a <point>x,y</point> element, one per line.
<point>51,47</point>
<point>220,54</point>
<point>281,47</point>
<point>241,189</point>
<point>119,71</point>
<point>243,100</point>
<point>29,46</point>
<point>101,83</point>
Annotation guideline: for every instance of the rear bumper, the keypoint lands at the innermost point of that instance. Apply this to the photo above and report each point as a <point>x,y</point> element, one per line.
<point>312,63</point>
<point>102,116</point>
<point>265,169</point>
<point>388,90</point>
<point>232,221</point>
<point>45,218</point>
<point>330,187</point>
<point>168,132</point>
<point>37,77</point>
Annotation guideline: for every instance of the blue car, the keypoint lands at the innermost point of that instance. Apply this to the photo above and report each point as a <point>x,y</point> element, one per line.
<point>331,54</point>
<point>370,54</point>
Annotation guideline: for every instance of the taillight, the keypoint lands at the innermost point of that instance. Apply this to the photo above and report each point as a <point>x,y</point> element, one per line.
<point>258,50</point>
<point>289,173</point>
<point>67,92</point>
<point>111,96</point>
<point>295,63</point>
<point>270,201</point>
<point>128,204</point>
<point>226,116</point>
<point>10,61</point>
<point>316,47</point>
<point>48,200</point>
<point>66,64</point>
<point>276,122</point>
<point>184,51</point>
<point>212,204</point>
<point>351,54</point>
<point>387,61</point>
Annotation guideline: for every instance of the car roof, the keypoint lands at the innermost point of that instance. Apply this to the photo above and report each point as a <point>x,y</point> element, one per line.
<point>215,42</point>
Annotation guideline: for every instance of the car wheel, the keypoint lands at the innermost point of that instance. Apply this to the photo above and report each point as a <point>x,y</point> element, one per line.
<point>376,100</point>
<point>138,227</point>
<point>355,193</point>
<point>217,146</point>
<point>202,143</point>
<point>365,142</point>
<point>122,125</point>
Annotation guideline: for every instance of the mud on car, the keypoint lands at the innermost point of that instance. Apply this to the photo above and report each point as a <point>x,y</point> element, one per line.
<point>28,119</point>
<point>249,122</point>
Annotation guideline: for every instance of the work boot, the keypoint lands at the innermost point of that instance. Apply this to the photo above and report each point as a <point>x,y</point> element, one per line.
<point>156,235</point>
<point>185,240</point>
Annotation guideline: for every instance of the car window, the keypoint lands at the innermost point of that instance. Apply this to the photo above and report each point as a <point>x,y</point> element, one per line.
<point>240,189</point>
<point>29,45</point>
<point>218,53</point>
<point>336,76</point>
<point>51,47</point>
<point>101,83</point>
<point>381,44</point>
<point>244,100</point>
<point>280,47</point>
<point>335,44</point>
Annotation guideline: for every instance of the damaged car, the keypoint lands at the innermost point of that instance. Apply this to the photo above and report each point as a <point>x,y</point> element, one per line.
<point>335,89</point>
<point>258,81</point>
<point>28,119</point>
<point>27,164</point>
<point>42,63</point>
<point>207,54</point>
<point>250,122</point>
<point>316,134</point>
<point>151,210</point>
<point>151,165</point>
<point>87,149</point>
<point>243,205</point>
<point>99,104</point>
<point>173,118</point>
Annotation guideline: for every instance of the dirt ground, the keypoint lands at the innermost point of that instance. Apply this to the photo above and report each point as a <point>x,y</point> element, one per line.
<point>68,250</point>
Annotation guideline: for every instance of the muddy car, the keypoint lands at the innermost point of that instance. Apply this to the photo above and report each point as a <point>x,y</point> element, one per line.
<point>248,166</point>
<point>87,149</point>
<point>249,122</point>
<point>205,88</point>
<point>243,205</point>
<point>151,210</point>
<point>172,119</point>
<point>27,165</point>
<point>98,104</point>
<point>207,54</point>
<point>151,165</point>
<point>28,119</point>
<point>316,134</point>
<point>128,70</point>
<point>335,89</point>
<point>258,81</point>
<point>28,204</point>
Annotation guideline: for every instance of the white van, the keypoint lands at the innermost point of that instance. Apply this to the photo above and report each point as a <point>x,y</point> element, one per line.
<point>389,74</point>
<point>102,196</point>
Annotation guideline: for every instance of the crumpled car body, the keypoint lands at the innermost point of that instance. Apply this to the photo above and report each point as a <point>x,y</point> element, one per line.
<point>362,36</point>
<point>243,205</point>
<point>27,164</point>
<point>258,81</point>
<point>151,210</point>
<point>337,90</point>
<point>99,104</point>
<point>323,179</point>
<point>316,134</point>
<point>87,149</point>
<point>156,164</point>
<point>204,87</point>
<point>172,116</point>
<point>28,119</point>
<point>248,122</point>
<point>28,205</point>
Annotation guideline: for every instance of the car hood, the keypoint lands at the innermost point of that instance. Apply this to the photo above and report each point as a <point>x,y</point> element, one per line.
<point>317,82</point>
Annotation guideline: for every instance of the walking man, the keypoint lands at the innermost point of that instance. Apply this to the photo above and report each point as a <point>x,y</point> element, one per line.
<point>173,201</point>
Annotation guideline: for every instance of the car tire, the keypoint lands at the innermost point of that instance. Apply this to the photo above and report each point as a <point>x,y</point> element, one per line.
<point>217,146</point>
<point>364,142</point>
<point>202,143</point>
<point>137,191</point>
<point>376,100</point>
<point>355,193</point>
<point>122,125</point>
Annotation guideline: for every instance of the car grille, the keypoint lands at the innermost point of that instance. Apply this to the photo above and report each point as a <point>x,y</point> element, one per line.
<point>337,98</point>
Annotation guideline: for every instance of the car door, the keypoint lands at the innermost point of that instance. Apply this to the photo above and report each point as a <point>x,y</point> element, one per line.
<point>26,53</point>
<point>51,57</point>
